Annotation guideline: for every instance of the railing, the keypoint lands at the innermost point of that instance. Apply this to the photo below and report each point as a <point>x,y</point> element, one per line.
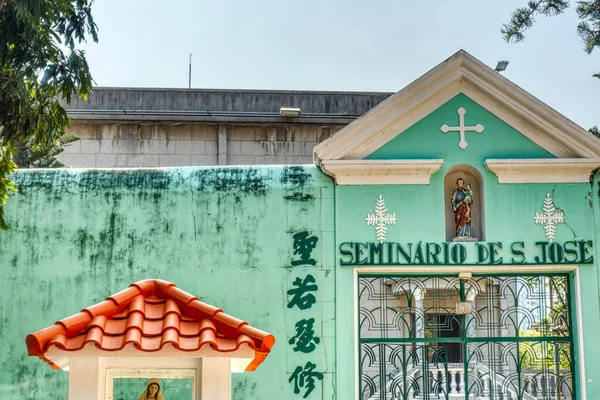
<point>443,381</point>
<point>535,384</point>
<point>449,383</point>
<point>439,382</point>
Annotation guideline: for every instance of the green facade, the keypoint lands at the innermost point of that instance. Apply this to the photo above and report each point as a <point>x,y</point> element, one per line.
<point>226,235</point>
<point>509,218</point>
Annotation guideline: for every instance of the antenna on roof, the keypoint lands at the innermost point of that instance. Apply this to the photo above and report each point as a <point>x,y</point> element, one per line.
<point>190,74</point>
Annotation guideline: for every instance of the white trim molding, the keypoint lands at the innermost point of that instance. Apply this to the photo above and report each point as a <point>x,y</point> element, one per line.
<point>461,73</point>
<point>241,357</point>
<point>543,170</point>
<point>381,172</point>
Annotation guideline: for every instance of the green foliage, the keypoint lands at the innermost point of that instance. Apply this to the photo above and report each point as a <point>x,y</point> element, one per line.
<point>589,25</point>
<point>538,356</point>
<point>28,155</point>
<point>595,131</point>
<point>39,63</point>
<point>524,17</point>
<point>588,12</point>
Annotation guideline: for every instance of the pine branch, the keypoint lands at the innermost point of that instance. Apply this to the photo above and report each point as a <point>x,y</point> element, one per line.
<point>524,17</point>
<point>589,27</point>
<point>589,36</point>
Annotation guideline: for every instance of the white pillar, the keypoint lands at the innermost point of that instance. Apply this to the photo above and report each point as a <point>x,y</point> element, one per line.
<point>418,295</point>
<point>452,377</point>
<point>419,332</point>
<point>470,319</point>
<point>84,379</point>
<point>216,379</point>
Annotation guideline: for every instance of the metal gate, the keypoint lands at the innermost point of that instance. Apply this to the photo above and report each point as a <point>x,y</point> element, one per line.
<point>485,337</point>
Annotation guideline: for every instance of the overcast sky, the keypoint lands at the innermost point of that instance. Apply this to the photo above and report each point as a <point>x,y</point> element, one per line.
<point>335,45</point>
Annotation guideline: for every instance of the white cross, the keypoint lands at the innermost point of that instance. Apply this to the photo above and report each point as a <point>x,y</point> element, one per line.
<point>462,128</point>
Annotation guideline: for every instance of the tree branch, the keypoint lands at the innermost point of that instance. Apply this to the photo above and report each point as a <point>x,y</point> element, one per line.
<point>523,18</point>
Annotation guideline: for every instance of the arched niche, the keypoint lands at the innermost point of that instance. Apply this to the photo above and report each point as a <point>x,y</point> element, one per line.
<point>472,176</point>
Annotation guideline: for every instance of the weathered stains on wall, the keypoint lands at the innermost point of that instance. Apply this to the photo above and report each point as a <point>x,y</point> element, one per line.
<point>294,177</point>
<point>223,234</point>
<point>133,144</point>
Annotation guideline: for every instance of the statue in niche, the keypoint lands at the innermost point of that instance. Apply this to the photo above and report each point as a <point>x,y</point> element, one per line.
<point>152,391</point>
<point>462,200</point>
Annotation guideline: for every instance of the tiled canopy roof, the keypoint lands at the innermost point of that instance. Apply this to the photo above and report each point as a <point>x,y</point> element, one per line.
<point>148,316</point>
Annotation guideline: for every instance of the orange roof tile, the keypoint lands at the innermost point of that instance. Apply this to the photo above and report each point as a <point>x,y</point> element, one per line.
<point>149,315</point>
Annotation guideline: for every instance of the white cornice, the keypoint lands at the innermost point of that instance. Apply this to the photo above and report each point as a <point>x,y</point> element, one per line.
<point>544,170</point>
<point>62,357</point>
<point>381,172</point>
<point>461,73</point>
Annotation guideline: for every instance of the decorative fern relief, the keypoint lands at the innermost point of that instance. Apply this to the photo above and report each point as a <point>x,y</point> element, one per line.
<point>549,218</point>
<point>380,219</point>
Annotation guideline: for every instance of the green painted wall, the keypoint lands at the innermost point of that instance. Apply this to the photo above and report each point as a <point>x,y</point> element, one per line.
<point>222,234</point>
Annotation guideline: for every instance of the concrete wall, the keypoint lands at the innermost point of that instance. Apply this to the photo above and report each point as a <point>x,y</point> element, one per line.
<point>126,127</point>
<point>115,145</point>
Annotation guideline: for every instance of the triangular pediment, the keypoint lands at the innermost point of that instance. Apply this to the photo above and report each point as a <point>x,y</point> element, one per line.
<point>459,75</point>
<point>485,136</point>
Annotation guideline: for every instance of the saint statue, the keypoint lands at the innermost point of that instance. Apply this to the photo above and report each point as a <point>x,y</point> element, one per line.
<point>462,199</point>
<point>152,391</point>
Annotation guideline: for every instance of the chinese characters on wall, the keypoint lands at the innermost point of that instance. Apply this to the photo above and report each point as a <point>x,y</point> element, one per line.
<point>303,295</point>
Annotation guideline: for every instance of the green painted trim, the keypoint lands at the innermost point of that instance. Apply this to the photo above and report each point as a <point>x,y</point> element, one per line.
<point>564,339</point>
<point>574,348</point>
<point>446,275</point>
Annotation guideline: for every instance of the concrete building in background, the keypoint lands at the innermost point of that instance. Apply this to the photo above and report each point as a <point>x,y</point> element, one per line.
<point>126,127</point>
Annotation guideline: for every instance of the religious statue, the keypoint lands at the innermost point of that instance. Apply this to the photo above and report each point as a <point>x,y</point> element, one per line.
<point>462,200</point>
<point>152,391</point>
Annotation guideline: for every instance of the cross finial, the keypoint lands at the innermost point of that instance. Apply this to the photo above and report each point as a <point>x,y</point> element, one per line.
<point>380,219</point>
<point>462,128</point>
<point>549,218</point>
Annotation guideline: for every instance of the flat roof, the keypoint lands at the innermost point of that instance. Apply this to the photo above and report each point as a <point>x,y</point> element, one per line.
<point>149,104</point>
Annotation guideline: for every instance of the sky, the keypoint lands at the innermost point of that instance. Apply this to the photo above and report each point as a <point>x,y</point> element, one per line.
<point>377,45</point>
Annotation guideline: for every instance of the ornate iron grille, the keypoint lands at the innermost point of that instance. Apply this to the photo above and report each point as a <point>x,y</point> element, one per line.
<point>514,344</point>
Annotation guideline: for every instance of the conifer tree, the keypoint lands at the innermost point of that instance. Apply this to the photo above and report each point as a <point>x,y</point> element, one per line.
<point>588,28</point>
